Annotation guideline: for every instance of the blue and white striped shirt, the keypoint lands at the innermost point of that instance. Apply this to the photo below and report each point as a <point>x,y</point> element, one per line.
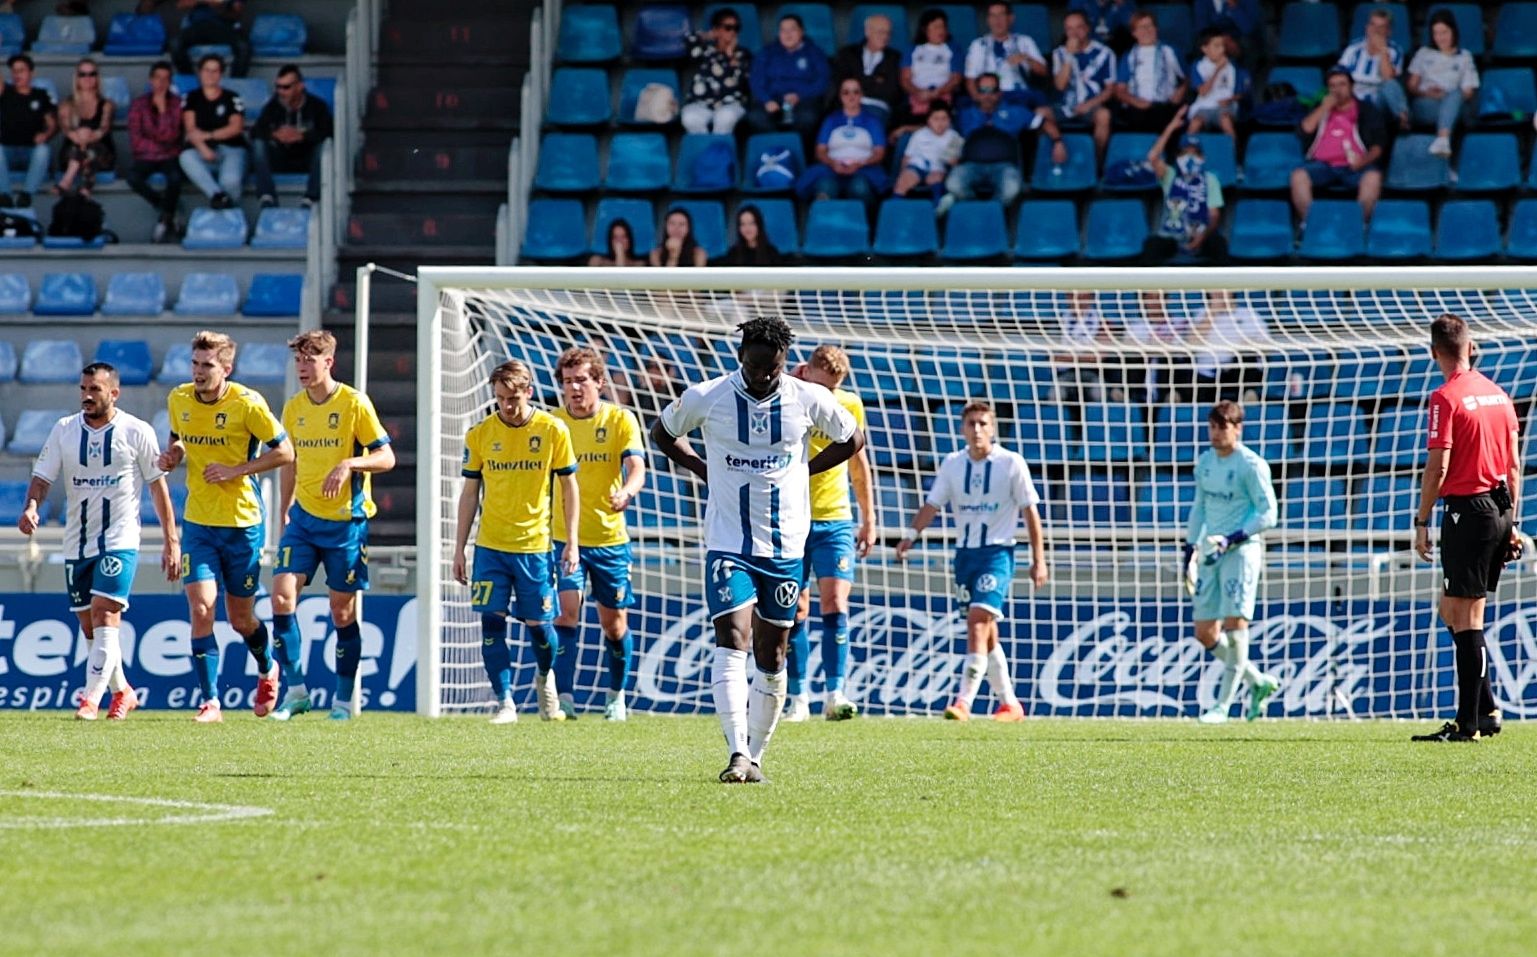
<point>1366,69</point>
<point>104,472</point>
<point>986,496</point>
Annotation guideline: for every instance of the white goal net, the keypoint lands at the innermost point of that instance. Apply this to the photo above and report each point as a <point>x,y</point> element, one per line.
<point>1102,380</point>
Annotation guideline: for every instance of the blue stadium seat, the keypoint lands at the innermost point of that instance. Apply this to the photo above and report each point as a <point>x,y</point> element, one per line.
<point>66,294</point>
<point>1031,19</point>
<point>1076,175</point>
<point>1123,147</point>
<point>556,229</point>
<point>254,93</point>
<point>8,365</point>
<point>752,29</point>
<point>46,361</point>
<point>964,26</point>
<point>274,294</point>
<point>1470,26</point>
<point>1048,230</point>
<point>1092,499</point>
<point>1334,230</point>
<point>1165,500</point>
<point>1116,229</point>
<point>134,294</point>
<point>262,363</point>
<point>278,35</point>
<point>1179,434</point>
<point>1515,32</point>
<point>905,227</point>
<point>818,18</point>
<point>1113,432</point>
<point>1221,157</point>
<point>901,36</point>
<point>568,163</point>
<point>15,294</point>
<point>1316,503</point>
<point>208,294</point>
<point>1399,439</point>
<point>177,364</point>
<point>33,426</point>
<point>837,228</point>
<point>1386,503</point>
<point>215,229</point>
<point>130,357</point>
<point>67,36</point>
<point>1336,434</point>
<point>1047,430</point>
<point>147,515</point>
<point>161,423</point>
<point>1262,230</point>
<point>636,80</point>
<point>1370,374</point>
<point>975,229</point>
<point>666,500</point>
<point>1469,229</point>
<point>578,97</point>
<point>1489,162</point>
<point>637,212</point>
<point>13,500</point>
<point>1269,159</point>
<point>1401,31</point>
<point>134,34</point>
<point>1308,81</point>
<point>13,33</point>
<point>897,499</point>
<point>1521,241</point>
<point>692,145</point>
<point>322,88</point>
<point>589,33</point>
<point>637,162</point>
<point>1413,169</point>
<point>1176,26</point>
<point>709,223</point>
<point>659,32</point>
<point>17,236</point>
<point>1506,95</point>
<point>894,435</point>
<point>115,88</point>
<point>779,221</point>
<point>760,145</point>
<point>1400,229</point>
<point>279,227</point>
<point>1309,31</point>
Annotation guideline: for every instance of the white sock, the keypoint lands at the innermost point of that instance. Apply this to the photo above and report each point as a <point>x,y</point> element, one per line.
<point>118,681</point>
<point>1239,638</point>
<point>998,675</point>
<point>295,692</point>
<point>1236,662</point>
<point>768,699</point>
<point>971,677</point>
<point>105,658</point>
<point>728,683</point>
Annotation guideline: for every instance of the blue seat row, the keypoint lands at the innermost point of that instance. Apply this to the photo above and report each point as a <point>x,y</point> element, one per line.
<point>1465,230</point>
<point>1311,31</point>
<point>140,35</point>
<point>144,294</point>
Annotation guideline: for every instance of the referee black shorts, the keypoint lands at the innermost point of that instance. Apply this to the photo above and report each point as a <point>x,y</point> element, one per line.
<point>1474,533</point>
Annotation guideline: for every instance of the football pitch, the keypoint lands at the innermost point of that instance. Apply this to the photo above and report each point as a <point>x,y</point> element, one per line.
<point>399,835</point>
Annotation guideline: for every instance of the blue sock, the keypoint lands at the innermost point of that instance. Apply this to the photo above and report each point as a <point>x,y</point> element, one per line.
<point>349,649</point>
<point>546,644</point>
<point>496,654</point>
<point>287,644</point>
<point>835,648</point>
<point>260,645</point>
<point>799,658</point>
<point>205,661</point>
<point>565,662</point>
<point>618,654</point>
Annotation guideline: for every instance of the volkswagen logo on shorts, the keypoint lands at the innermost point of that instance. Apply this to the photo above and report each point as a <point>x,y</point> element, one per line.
<point>786,594</point>
<point>987,582</point>
<point>111,566</point>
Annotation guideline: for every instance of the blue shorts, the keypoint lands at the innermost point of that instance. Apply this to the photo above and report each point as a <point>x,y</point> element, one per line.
<point>1228,589</point>
<point>985,575</point>
<point>229,557</point>
<point>515,582</point>
<point>342,546</point>
<point>606,569</point>
<point>109,575</point>
<point>829,551</point>
<point>1325,176</point>
<point>734,581</point>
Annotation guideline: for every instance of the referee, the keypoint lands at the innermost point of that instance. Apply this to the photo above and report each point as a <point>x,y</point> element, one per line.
<point>1474,467</point>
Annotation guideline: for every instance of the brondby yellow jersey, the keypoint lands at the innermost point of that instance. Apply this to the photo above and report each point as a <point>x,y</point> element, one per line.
<point>601,442</point>
<point>324,433</point>
<point>227,431</point>
<point>830,489</point>
<point>514,465</point>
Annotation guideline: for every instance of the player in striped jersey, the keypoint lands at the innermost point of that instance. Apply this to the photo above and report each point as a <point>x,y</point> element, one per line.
<point>756,423</point>
<point>219,428</point>
<point>106,457</point>
<point>323,510</point>
<point>988,487</point>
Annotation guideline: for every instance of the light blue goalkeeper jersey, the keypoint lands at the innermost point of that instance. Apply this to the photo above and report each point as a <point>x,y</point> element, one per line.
<point>1232,494</point>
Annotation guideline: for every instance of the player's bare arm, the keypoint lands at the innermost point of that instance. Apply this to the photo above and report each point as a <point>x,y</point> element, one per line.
<point>864,495</point>
<point>634,467</point>
<point>921,521</point>
<point>571,500</point>
<point>837,453</point>
<point>1039,573</point>
<point>469,504</point>
<point>172,455</point>
<point>1430,491</point>
<point>275,457</point>
<point>165,511</point>
<point>679,452</point>
<point>373,461</point>
<point>37,492</point>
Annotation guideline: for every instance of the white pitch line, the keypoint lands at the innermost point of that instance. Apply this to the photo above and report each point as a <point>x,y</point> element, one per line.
<point>212,812</point>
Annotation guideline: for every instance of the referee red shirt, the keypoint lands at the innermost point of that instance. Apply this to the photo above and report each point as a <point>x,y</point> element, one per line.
<point>1473,417</point>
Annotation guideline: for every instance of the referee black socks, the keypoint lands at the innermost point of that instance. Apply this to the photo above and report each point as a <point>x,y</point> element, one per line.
<point>1472,670</point>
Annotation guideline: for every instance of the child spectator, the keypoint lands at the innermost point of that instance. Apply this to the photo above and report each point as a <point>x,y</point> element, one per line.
<point>930,154</point>
<point>1220,84</point>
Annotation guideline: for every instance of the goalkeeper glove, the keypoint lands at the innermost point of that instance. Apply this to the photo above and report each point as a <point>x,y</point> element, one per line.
<point>1188,568</point>
<point>1216,546</point>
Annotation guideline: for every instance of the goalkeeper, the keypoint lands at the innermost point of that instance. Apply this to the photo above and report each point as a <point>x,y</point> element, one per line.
<point>1234,503</point>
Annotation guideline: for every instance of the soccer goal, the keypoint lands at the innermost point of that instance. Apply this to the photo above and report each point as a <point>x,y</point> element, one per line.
<point>1102,380</point>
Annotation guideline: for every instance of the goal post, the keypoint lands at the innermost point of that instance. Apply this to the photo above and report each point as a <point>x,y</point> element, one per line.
<point>1100,378</point>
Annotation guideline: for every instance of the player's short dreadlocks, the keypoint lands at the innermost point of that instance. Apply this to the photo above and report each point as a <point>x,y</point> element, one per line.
<point>770,331</point>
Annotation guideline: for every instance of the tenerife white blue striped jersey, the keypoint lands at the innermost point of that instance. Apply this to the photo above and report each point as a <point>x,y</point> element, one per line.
<point>104,472</point>
<point>986,496</point>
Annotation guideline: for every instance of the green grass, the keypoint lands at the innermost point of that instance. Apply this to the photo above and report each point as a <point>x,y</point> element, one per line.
<point>396,835</point>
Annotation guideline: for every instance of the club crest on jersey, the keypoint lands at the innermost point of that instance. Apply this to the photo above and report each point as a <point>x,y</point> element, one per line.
<point>976,483</point>
<point>301,421</point>
<point>219,420</point>
<point>186,416</point>
<point>95,449</point>
<point>987,582</point>
<point>111,566</point>
<point>600,434</point>
<point>534,442</point>
<point>334,420</point>
<point>758,422</point>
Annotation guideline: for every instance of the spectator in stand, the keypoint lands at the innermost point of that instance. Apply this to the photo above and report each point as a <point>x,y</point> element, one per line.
<point>1150,84</point>
<point>1375,62</point>
<point>1109,21</point>
<point>990,160</point>
<point>1083,71</point>
<point>154,136</point>
<point>621,247</point>
<point>850,149</point>
<point>27,123</point>
<point>1348,138</point>
<point>1220,83</point>
<point>718,90</point>
<point>1443,81</point>
<point>86,119</point>
<point>789,79</point>
<point>1222,369</point>
<point>213,120</point>
<point>1007,56</point>
<point>1192,202</point>
<point>678,247</point>
<point>1240,20</point>
<point>931,153</point>
<point>288,135</point>
<point>752,246</point>
<point>931,70</point>
<point>208,23</point>
<point>876,64</point>
<point>1084,332</point>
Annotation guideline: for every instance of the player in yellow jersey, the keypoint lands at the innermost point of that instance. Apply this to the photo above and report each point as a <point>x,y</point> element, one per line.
<point>218,427</point>
<point>612,464</point>
<point>514,452</point>
<point>830,550</point>
<point>323,510</point>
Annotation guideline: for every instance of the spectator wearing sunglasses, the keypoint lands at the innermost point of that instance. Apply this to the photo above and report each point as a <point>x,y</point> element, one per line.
<point>288,135</point>
<point>85,116</point>
<point>718,91</point>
